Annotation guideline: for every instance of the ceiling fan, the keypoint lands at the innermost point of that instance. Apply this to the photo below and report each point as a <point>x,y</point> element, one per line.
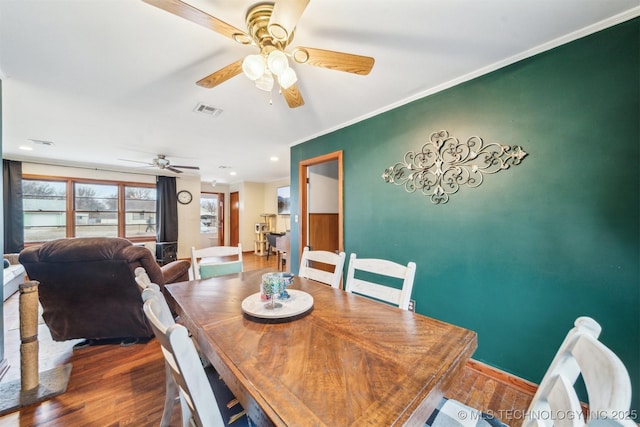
<point>270,28</point>
<point>161,162</point>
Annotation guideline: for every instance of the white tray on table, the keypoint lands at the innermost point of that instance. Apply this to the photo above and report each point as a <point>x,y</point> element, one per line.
<point>299,302</point>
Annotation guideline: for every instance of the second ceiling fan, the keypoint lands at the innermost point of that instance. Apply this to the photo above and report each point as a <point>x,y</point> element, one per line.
<point>161,162</point>
<point>270,27</point>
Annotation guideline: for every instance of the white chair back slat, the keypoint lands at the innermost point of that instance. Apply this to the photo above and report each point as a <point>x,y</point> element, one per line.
<point>218,251</point>
<point>374,290</point>
<point>321,276</point>
<point>381,266</point>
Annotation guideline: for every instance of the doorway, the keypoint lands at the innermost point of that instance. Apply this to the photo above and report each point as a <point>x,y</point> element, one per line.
<point>321,186</point>
<point>234,218</point>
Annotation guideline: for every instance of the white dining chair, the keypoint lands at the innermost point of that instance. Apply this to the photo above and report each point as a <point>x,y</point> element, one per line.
<point>142,278</point>
<point>163,313</point>
<point>211,262</point>
<point>312,271</point>
<point>198,402</point>
<point>556,401</point>
<point>382,267</point>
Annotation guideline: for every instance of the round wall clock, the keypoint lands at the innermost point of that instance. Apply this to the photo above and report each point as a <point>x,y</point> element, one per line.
<point>184,197</point>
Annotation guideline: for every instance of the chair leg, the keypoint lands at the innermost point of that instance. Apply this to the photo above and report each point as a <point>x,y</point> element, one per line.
<point>171,394</point>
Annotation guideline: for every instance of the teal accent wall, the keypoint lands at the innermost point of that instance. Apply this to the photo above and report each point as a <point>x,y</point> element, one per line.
<point>519,258</point>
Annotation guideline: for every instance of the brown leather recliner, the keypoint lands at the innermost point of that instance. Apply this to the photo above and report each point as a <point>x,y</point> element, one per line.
<point>88,288</point>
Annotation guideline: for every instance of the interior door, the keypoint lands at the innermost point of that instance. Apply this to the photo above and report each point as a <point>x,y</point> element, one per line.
<point>234,220</point>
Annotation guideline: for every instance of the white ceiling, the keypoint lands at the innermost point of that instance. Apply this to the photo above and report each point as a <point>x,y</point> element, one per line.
<point>115,79</point>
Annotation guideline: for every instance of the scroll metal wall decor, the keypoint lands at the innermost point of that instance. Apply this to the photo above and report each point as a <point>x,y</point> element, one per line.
<point>444,164</point>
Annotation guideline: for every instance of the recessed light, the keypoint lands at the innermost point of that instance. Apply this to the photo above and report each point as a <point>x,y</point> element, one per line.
<point>26,148</point>
<point>274,159</point>
<point>232,173</point>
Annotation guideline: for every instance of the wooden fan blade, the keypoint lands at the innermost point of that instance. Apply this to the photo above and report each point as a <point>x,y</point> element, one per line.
<point>199,17</point>
<point>222,75</point>
<point>284,17</point>
<point>347,62</point>
<point>186,167</point>
<point>172,169</point>
<point>293,96</point>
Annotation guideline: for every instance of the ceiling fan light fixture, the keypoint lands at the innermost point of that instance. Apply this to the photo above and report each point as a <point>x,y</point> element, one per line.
<point>277,62</point>
<point>265,82</point>
<point>270,26</point>
<point>287,78</point>
<point>253,66</point>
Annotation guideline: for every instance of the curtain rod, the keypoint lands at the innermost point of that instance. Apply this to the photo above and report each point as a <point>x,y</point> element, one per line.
<point>88,168</point>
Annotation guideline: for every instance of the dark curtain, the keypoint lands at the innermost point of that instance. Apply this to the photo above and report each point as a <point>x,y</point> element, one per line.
<point>166,209</point>
<point>12,199</point>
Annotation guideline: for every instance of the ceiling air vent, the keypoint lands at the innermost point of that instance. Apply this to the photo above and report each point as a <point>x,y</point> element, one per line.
<point>42,142</point>
<point>208,110</point>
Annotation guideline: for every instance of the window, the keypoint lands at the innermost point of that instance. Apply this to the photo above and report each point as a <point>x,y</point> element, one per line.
<point>96,210</point>
<point>140,211</point>
<point>80,208</point>
<point>45,210</point>
<point>209,214</point>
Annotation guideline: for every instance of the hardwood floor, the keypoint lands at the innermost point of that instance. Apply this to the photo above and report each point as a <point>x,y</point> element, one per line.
<point>118,386</point>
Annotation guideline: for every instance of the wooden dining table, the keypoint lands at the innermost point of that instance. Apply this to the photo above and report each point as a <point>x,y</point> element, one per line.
<point>349,361</point>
